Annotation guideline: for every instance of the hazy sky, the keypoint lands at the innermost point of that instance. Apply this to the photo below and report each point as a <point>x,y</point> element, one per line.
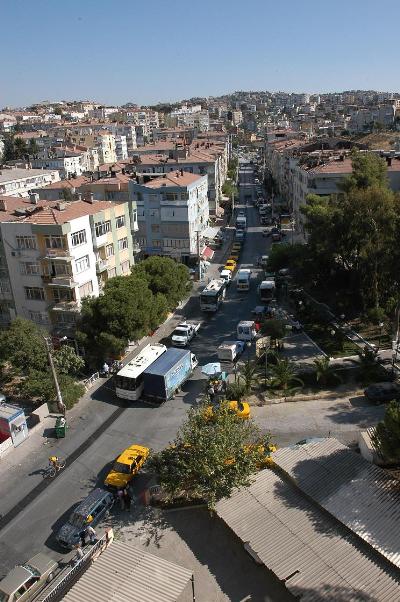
<point>160,50</point>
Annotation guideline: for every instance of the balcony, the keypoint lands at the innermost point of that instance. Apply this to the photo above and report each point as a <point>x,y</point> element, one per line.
<point>63,254</point>
<point>70,306</point>
<point>63,281</point>
<point>101,265</point>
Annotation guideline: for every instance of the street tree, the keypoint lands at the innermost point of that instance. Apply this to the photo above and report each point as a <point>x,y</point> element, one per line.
<point>67,361</point>
<point>210,456</point>
<point>39,387</point>
<point>165,276</point>
<point>284,379</point>
<point>23,347</point>
<point>386,436</point>
<point>324,372</point>
<point>273,328</point>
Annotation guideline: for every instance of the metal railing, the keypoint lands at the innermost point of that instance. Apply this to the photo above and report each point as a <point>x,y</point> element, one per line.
<point>92,379</point>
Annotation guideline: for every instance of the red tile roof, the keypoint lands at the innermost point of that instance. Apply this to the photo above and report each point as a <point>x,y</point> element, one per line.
<point>174,178</point>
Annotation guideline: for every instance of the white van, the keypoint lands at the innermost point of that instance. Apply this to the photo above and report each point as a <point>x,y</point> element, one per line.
<point>243,280</point>
<point>227,276</point>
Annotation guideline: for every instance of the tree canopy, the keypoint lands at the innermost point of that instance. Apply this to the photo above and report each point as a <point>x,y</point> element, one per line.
<point>210,456</point>
<point>386,436</point>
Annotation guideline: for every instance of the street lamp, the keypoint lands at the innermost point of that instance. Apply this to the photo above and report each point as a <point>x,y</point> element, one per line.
<point>49,348</point>
<point>381,325</point>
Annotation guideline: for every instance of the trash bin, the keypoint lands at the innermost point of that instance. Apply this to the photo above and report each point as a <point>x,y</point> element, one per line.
<point>61,427</point>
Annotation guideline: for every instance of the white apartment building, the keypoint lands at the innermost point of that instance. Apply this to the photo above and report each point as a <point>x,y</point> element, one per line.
<point>121,147</point>
<point>18,182</point>
<point>71,164</point>
<point>52,255</point>
<point>102,140</point>
<point>127,130</point>
<point>172,213</point>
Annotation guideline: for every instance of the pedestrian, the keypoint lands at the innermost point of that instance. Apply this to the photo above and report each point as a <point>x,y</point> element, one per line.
<point>120,495</point>
<point>79,555</point>
<point>211,392</point>
<point>82,536</point>
<point>91,533</point>
<point>127,499</point>
<point>106,369</point>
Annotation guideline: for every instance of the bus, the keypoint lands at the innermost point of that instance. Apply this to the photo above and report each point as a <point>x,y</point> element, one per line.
<point>212,296</point>
<point>129,380</point>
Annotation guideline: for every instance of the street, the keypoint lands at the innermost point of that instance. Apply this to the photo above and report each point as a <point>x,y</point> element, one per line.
<point>103,426</point>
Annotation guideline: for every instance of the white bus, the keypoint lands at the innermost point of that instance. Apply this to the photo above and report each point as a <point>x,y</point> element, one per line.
<point>129,380</point>
<point>212,296</point>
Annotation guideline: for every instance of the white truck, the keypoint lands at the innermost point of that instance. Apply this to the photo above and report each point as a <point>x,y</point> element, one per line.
<point>184,333</point>
<point>227,276</point>
<point>229,351</point>
<point>266,290</point>
<point>243,280</point>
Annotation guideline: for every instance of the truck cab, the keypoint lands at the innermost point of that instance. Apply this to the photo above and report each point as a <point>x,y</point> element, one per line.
<point>227,276</point>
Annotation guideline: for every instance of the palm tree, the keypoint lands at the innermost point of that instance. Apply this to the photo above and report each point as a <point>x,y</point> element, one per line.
<point>284,377</point>
<point>236,391</point>
<point>324,371</point>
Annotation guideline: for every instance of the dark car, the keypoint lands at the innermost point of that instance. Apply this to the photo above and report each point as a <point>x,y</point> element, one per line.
<point>381,392</point>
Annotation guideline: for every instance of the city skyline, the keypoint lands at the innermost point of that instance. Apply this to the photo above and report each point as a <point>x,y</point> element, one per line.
<point>158,54</point>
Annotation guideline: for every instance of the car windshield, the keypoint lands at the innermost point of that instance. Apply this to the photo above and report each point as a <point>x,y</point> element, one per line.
<point>34,571</point>
<point>122,468</point>
<point>179,331</point>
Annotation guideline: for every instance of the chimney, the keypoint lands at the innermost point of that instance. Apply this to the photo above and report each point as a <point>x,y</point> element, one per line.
<point>34,198</point>
<point>61,206</point>
<point>90,198</point>
<point>3,205</point>
<point>181,172</point>
<point>79,196</point>
<point>341,158</point>
<point>389,161</point>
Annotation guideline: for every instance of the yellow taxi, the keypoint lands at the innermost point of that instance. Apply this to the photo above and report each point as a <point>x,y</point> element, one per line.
<point>230,265</point>
<point>126,466</point>
<point>236,248</point>
<point>240,408</point>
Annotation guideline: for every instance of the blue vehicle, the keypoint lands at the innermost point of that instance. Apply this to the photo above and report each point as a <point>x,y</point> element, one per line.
<point>167,374</point>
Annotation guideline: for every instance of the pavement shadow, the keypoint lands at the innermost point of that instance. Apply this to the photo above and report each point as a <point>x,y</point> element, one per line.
<point>358,411</point>
<point>51,542</point>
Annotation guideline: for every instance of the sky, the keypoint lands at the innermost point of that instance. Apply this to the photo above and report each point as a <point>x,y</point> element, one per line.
<point>166,50</point>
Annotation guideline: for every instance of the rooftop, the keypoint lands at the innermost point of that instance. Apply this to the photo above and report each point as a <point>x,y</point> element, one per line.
<point>48,212</point>
<point>9,175</point>
<point>174,178</point>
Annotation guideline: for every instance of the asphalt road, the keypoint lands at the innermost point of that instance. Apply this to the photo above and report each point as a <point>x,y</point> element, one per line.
<point>30,528</point>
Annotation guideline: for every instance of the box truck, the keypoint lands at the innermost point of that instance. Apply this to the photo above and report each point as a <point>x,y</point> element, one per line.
<point>167,374</point>
<point>243,280</point>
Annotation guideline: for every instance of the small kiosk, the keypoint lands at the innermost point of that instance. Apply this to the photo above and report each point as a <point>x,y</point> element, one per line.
<point>12,424</point>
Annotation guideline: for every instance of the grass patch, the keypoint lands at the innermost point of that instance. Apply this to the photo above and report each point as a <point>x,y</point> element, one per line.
<point>336,345</point>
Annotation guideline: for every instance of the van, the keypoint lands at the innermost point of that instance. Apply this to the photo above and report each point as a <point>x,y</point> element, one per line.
<point>91,511</point>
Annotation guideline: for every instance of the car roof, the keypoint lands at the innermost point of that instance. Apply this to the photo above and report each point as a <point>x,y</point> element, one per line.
<point>15,578</point>
<point>41,562</point>
<point>131,452</point>
<point>87,504</point>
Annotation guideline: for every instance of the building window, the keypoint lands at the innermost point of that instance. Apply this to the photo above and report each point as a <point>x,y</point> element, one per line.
<point>38,316</point>
<point>78,238</point>
<point>62,294</point>
<point>155,227</point>
<point>4,286</point>
<point>157,243</point>
<point>34,293</point>
<point>120,221</point>
<point>86,289</point>
<point>30,268</point>
<point>123,243</point>
<point>111,273</point>
<point>82,264</point>
<point>26,242</point>
<point>102,228</point>
<point>125,266</point>
<point>55,242</point>
<point>109,250</point>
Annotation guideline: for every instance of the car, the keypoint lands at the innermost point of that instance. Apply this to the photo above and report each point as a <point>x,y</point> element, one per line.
<point>266,232</point>
<point>184,333</point>
<point>381,392</point>
<point>24,581</point>
<point>240,408</point>
<point>241,213</point>
<point>89,511</point>
<point>230,265</point>
<point>126,466</point>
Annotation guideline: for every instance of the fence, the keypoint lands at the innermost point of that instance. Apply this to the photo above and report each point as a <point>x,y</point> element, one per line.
<point>92,379</point>
<point>59,586</point>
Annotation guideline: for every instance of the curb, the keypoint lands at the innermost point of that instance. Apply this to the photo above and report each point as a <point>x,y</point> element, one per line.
<point>311,397</point>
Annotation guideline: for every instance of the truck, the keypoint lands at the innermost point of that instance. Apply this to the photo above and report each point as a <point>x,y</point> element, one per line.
<point>184,333</point>
<point>266,290</point>
<point>167,374</point>
<point>229,351</point>
<point>243,280</point>
<point>227,276</point>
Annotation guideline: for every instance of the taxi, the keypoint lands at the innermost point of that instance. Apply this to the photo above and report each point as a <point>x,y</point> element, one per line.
<point>126,466</point>
<point>230,265</point>
<point>240,408</point>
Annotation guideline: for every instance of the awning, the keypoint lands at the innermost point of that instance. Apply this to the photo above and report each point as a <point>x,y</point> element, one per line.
<point>210,232</point>
<point>207,253</point>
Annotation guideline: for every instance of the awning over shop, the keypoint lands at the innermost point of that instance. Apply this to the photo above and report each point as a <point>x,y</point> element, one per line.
<point>207,253</point>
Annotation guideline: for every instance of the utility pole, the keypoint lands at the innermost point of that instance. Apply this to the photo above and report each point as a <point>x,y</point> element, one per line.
<point>199,253</point>
<point>60,403</point>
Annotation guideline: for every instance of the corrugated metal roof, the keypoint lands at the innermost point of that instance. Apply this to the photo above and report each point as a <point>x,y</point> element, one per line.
<point>124,572</point>
<point>301,545</point>
<point>359,494</point>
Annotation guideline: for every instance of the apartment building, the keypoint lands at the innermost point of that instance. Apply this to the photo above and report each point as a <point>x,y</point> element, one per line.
<point>18,181</point>
<point>54,254</point>
<point>68,165</point>
<point>172,213</point>
<point>121,147</point>
<point>103,140</point>
<point>127,130</point>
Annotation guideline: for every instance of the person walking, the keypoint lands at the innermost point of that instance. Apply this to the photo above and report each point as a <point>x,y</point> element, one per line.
<point>127,499</point>
<point>82,536</point>
<point>106,369</point>
<point>121,497</point>
<point>79,555</point>
<point>91,533</point>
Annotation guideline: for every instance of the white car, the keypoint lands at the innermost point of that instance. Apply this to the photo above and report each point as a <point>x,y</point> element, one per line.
<point>184,333</point>
<point>227,276</point>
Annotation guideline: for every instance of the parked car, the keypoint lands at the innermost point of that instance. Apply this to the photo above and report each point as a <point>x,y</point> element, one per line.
<point>90,511</point>
<point>381,392</point>
<point>184,333</point>
<point>126,466</point>
<point>24,581</point>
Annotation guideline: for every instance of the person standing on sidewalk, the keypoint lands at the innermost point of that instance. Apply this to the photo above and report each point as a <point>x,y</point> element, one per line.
<point>91,533</point>
<point>127,499</point>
